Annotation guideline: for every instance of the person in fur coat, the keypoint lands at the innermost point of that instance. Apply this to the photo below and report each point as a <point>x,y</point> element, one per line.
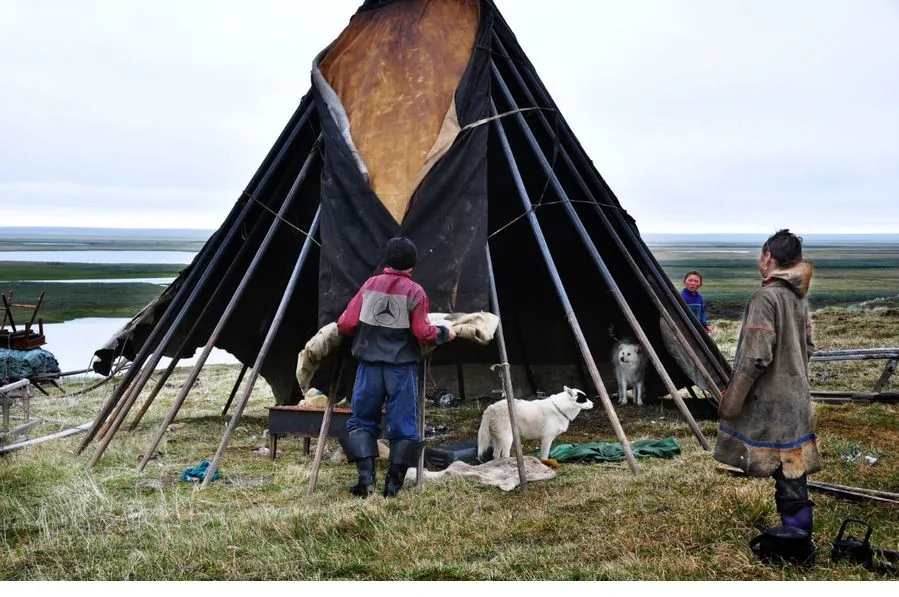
<point>766,423</point>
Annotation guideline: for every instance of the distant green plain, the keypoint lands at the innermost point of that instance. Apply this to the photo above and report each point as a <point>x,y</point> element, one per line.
<point>845,274</point>
<point>64,301</point>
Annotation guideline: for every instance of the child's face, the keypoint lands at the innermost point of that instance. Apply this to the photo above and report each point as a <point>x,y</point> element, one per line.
<point>693,283</point>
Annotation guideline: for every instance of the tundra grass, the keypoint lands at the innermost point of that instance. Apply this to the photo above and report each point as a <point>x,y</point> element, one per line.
<point>53,270</point>
<point>64,301</point>
<point>844,274</point>
<point>679,519</point>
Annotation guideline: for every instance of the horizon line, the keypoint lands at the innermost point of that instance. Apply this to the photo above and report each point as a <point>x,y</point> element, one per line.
<point>682,233</point>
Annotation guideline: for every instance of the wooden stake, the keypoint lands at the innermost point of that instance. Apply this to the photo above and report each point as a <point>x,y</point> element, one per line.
<point>266,345</point>
<point>563,296</point>
<point>505,373</point>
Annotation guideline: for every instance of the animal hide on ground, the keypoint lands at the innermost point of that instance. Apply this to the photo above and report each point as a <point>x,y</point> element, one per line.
<point>502,473</point>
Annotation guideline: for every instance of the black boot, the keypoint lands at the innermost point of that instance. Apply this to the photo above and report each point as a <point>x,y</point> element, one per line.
<point>365,486</point>
<point>403,454</point>
<point>361,447</point>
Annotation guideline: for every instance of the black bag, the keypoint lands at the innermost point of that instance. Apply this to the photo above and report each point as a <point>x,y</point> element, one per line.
<point>784,545</point>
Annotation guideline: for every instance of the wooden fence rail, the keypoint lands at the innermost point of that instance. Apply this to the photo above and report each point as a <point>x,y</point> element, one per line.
<point>891,355</point>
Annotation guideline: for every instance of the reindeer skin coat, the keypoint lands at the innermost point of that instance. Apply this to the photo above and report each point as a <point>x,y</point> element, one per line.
<point>766,418</point>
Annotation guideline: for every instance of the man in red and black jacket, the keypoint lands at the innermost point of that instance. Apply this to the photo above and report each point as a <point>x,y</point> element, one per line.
<point>388,318</point>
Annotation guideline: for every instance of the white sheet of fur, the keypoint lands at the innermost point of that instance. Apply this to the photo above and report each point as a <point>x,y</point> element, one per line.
<point>477,327</point>
<point>502,472</point>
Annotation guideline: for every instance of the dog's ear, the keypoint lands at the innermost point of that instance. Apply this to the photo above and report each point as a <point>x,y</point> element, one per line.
<point>566,389</point>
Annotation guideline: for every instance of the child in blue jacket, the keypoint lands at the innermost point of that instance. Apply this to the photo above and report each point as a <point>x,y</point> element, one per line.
<point>690,293</point>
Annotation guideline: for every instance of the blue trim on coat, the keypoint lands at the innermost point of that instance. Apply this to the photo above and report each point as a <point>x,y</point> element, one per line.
<point>755,444</point>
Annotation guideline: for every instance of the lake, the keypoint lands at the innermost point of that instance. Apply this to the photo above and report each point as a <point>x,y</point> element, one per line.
<point>159,281</point>
<point>73,343</point>
<point>166,257</point>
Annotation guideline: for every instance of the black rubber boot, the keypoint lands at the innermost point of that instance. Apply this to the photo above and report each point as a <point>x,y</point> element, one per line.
<point>365,486</point>
<point>361,447</point>
<point>403,454</point>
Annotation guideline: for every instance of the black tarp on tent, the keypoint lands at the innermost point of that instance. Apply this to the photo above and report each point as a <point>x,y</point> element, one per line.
<point>425,118</point>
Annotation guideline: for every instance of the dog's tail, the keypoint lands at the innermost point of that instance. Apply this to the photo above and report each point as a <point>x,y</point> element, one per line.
<point>484,434</point>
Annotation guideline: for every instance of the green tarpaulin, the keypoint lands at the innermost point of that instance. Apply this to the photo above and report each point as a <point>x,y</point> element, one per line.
<point>612,452</point>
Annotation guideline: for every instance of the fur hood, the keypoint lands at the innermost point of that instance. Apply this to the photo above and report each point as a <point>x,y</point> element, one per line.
<point>798,277</point>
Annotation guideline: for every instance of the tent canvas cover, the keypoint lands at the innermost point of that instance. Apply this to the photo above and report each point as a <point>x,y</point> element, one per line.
<point>425,118</point>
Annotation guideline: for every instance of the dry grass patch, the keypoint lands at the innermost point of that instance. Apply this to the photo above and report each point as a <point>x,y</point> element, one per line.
<point>681,519</point>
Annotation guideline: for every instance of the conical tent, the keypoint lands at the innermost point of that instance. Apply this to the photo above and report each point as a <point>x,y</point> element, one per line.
<point>425,118</point>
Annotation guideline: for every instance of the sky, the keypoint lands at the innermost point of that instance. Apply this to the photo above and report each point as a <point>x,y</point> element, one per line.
<point>704,116</point>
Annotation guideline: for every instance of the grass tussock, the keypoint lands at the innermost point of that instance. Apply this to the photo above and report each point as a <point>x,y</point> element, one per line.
<point>680,519</point>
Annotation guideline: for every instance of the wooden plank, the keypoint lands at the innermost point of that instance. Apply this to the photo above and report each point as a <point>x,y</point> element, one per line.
<point>856,354</point>
<point>39,440</point>
<point>857,397</point>
<point>853,493</point>
<point>24,428</point>
<point>888,371</point>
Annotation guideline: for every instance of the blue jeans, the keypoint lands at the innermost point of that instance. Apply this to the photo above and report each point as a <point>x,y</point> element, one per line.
<point>398,384</point>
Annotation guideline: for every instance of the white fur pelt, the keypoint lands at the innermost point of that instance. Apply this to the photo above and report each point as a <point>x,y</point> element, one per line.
<point>543,419</point>
<point>629,359</point>
<point>502,473</point>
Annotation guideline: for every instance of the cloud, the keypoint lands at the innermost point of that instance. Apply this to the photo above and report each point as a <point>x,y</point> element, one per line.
<point>700,114</point>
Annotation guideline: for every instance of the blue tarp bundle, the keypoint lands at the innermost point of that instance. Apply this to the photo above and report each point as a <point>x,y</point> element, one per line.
<point>198,473</point>
<point>22,364</point>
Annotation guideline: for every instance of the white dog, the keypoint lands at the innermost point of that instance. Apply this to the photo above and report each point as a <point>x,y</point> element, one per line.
<point>544,419</point>
<point>630,369</point>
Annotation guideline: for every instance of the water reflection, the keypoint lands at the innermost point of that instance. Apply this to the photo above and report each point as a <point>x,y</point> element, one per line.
<point>73,343</point>
<point>166,257</point>
<point>162,281</point>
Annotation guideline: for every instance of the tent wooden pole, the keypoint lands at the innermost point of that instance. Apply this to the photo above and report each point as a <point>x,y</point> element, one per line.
<point>240,375</point>
<point>601,266</point>
<point>505,372</point>
<point>231,308</point>
<point>107,424</point>
<point>660,278</point>
<point>197,277</point>
<point>420,465</point>
<point>266,346</point>
<point>188,339</point>
<point>159,384</point>
<point>201,360</point>
<point>613,234</point>
<point>326,425</point>
<point>320,446</point>
<point>563,295</point>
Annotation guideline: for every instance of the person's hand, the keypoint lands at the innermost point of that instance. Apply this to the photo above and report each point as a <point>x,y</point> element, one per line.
<point>709,329</point>
<point>452,334</point>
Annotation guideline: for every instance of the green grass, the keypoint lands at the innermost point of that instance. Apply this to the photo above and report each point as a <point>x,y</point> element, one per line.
<point>680,519</point>
<point>844,274</point>
<point>43,270</point>
<point>66,301</point>
<point>63,301</point>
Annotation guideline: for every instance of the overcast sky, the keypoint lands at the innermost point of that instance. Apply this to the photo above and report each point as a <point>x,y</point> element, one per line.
<point>702,115</point>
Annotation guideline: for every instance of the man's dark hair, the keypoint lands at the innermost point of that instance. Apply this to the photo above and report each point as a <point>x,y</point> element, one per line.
<point>400,253</point>
<point>785,247</point>
<point>692,273</point>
